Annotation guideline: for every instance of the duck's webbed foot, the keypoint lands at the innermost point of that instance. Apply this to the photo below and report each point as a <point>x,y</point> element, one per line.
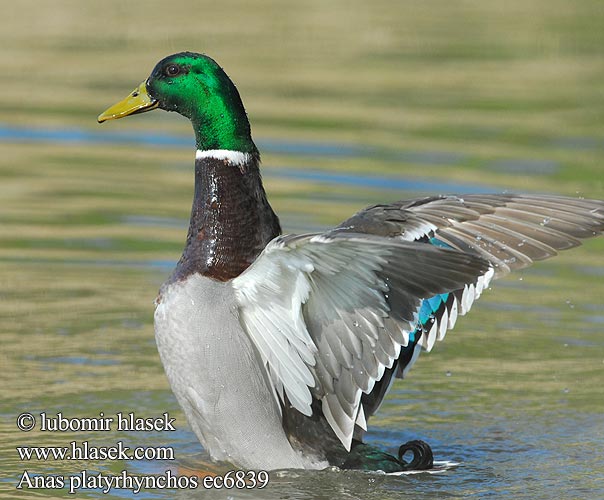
<point>423,459</point>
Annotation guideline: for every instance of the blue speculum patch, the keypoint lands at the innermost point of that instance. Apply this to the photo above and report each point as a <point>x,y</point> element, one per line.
<point>432,305</point>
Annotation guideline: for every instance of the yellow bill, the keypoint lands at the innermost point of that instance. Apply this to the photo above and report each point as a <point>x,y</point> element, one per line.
<point>137,102</point>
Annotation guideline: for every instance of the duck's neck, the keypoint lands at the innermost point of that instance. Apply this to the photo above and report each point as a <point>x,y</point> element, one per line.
<point>231,219</point>
<point>219,118</point>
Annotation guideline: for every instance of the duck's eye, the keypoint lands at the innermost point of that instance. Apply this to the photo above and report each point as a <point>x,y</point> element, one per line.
<point>172,70</point>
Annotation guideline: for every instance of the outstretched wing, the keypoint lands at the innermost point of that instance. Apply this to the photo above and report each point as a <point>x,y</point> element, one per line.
<point>510,231</point>
<point>330,313</point>
<point>336,316</point>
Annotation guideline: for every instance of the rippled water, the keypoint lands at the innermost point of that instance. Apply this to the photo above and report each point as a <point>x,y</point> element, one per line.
<point>351,104</point>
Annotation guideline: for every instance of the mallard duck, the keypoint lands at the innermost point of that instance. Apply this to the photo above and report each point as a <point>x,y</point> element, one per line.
<point>280,347</point>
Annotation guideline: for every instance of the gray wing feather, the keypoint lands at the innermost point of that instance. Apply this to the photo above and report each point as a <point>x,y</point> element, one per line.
<point>330,313</point>
<point>511,231</point>
<point>379,320</point>
<point>358,297</point>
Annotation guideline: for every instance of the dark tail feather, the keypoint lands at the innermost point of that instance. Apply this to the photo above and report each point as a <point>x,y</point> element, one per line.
<point>423,459</point>
<point>367,457</point>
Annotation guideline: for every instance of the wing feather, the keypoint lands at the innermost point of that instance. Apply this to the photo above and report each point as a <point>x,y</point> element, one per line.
<point>509,231</point>
<point>337,311</point>
<point>332,314</point>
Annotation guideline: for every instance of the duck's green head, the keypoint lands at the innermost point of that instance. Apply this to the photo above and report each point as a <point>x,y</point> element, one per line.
<point>195,86</point>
